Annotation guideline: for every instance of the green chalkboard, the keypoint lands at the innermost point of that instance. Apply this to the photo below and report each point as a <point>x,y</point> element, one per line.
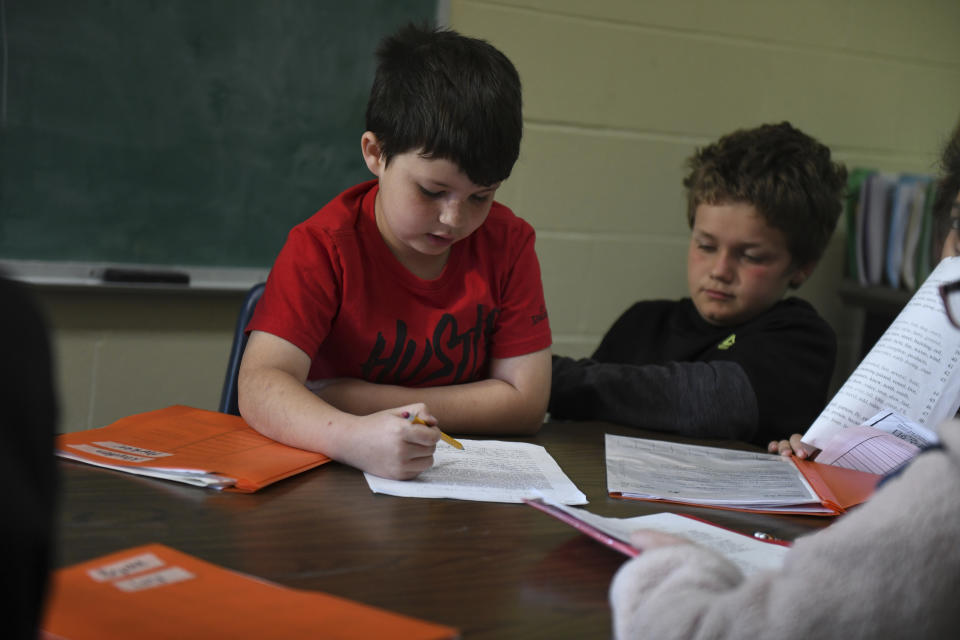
<point>187,132</point>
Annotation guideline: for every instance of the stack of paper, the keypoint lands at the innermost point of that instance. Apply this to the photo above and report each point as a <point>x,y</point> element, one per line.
<point>193,446</point>
<point>643,469</point>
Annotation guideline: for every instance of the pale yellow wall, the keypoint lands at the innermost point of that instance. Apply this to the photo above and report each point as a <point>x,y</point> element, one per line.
<point>124,352</point>
<point>617,94</point>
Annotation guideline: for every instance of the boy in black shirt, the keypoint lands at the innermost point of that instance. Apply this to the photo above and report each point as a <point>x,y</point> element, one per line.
<point>733,360</point>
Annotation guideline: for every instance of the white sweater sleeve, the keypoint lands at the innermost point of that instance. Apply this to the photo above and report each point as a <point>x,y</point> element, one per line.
<point>646,591</point>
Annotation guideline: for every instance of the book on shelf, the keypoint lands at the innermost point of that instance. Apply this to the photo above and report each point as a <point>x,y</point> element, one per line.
<point>875,212</point>
<point>852,213</point>
<point>928,247</point>
<point>193,446</point>
<point>907,191</point>
<point>920,209</point>
<point>153,592</point>
<point>696,475</point>
<point>749,553</point>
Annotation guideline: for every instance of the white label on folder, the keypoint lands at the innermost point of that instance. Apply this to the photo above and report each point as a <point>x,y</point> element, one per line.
<point>135,564</point>
<point>137,451</point>
<point>106,453</point>
<point>155,579</point>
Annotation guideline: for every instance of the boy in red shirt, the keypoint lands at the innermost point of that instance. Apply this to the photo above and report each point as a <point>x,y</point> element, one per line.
<point>415,294</point>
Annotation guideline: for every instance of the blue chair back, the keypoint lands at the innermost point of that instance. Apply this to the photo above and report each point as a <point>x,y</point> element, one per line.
<point>228,397</point>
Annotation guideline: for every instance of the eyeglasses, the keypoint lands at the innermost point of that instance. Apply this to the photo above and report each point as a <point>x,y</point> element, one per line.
<point>950,294</point>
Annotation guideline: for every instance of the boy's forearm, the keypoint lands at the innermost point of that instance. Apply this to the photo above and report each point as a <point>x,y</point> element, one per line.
<point>387,444</point>
<point>488,406</point>
<point>277,405</point>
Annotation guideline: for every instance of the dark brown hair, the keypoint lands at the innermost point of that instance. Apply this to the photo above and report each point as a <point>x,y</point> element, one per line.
<point>785,174</point>
<point>447,96</point>
<point>948,186</point>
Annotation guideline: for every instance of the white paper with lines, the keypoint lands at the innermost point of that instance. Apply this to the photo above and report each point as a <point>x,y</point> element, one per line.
<point>487,471</point>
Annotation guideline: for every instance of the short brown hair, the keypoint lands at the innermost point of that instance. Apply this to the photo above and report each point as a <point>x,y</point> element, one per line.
<point>785,174</point>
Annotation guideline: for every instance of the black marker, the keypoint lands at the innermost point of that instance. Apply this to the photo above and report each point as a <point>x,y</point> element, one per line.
<point>144,276</point>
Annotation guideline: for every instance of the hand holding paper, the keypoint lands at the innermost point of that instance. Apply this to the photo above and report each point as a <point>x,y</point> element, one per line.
<point>914,369</point>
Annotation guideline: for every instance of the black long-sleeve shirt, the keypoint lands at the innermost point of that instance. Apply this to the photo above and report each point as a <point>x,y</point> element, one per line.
<point>663,367</point>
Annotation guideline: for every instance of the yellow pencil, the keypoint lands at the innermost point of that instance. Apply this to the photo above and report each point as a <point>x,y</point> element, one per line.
<point>450,441</point>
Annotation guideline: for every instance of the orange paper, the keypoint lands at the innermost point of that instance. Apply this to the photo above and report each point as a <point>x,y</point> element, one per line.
<point>155,592</point>
<point>838,487</point>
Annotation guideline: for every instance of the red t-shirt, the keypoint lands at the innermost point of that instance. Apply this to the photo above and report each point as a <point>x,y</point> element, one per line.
<point>338,293</point>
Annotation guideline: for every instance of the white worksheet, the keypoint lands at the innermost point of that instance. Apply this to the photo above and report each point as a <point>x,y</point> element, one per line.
<point>749,554</point>
<point>487,471</point>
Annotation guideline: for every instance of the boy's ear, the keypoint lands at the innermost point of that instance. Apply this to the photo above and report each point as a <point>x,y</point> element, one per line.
<point>372,152</point>
<point>802,273</point>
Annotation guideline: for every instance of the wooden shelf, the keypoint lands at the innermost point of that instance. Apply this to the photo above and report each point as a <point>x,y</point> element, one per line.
<point>875,299</point>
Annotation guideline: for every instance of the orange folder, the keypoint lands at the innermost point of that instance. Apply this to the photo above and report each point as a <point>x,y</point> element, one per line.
<point>839,489</point>
<point>184,444</point>
<point>154,592</point>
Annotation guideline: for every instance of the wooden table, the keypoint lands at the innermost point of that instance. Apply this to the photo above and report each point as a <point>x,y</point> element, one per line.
<point>492,570</point>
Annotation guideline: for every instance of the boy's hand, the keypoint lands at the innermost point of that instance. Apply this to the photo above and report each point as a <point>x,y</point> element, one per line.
<point>390,445</point>
<point>791,447</point>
